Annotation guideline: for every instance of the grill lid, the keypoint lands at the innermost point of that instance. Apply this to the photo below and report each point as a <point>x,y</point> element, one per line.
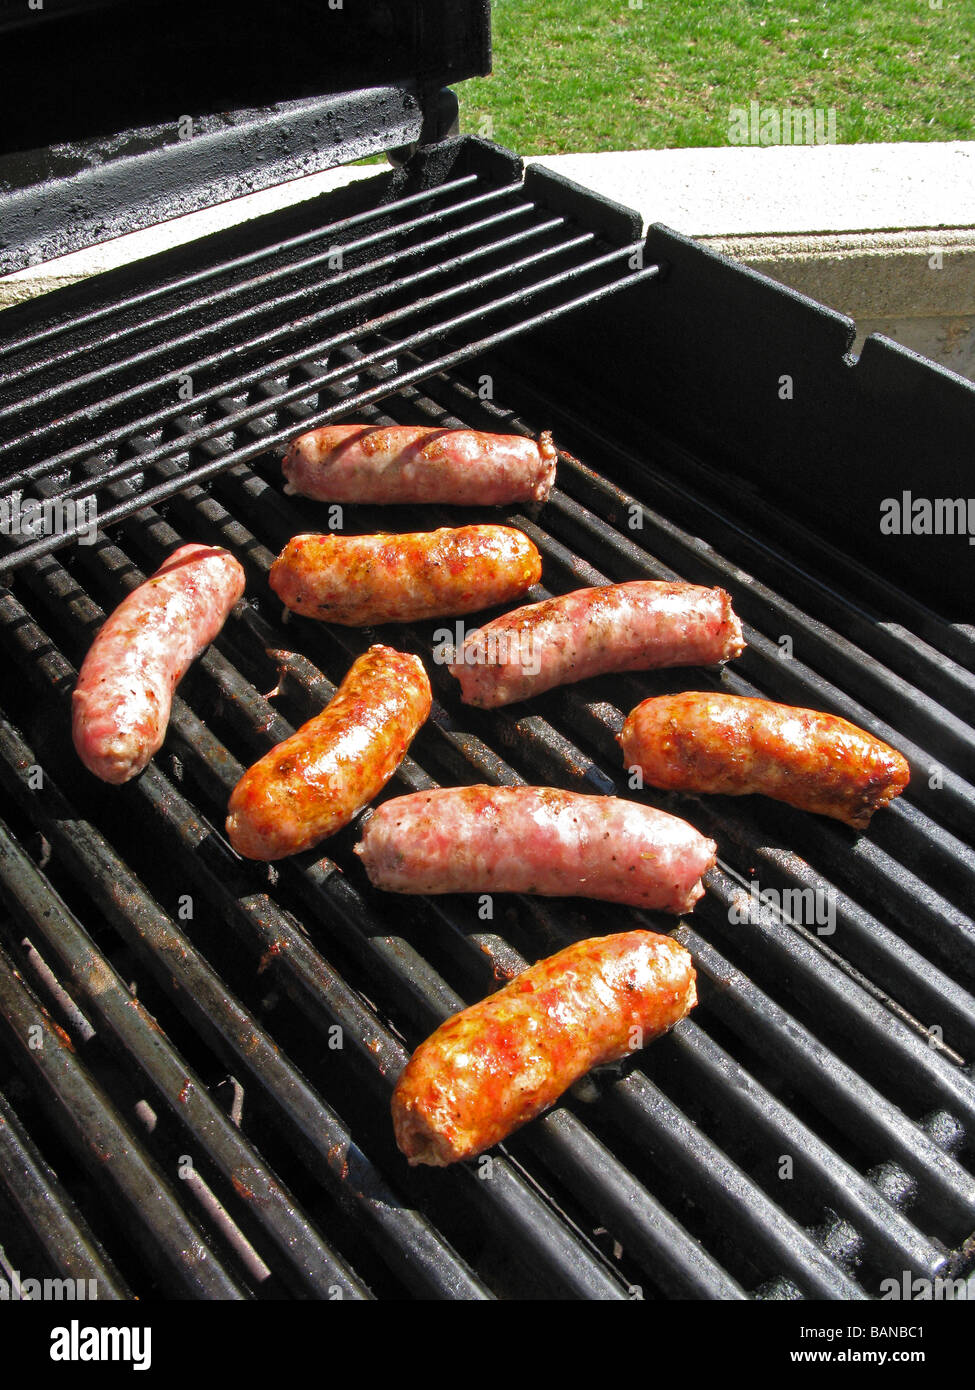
<point>177,106</point>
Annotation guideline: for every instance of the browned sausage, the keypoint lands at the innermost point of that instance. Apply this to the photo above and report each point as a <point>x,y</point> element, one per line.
<point>359,580</point>
<point>313,783</point>
<point>736,744</point>
<point>498,1064</point>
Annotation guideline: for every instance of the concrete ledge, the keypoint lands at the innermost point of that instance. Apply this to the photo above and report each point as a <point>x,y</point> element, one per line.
<point>882,233</point>
<point>917,287</point>
<point>935,266</point>
<point>786,189</point>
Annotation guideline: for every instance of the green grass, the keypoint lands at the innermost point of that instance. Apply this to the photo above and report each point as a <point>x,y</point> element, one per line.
<point>599,75</point>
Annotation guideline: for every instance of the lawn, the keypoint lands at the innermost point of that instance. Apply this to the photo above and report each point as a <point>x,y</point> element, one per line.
<point>618,75</point>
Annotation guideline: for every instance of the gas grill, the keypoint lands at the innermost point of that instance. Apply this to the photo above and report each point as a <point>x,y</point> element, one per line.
<point>197,1052</point>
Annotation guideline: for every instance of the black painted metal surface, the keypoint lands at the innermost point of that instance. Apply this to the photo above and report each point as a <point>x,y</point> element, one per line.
<point>721,363</point>
<point>118,115</point>
<point>156,173</point>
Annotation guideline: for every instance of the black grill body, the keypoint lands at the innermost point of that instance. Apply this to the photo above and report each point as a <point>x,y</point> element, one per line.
<point>197,1053</point>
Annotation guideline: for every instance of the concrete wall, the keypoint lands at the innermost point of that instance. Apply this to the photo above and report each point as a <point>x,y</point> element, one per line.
<point>917,287</point>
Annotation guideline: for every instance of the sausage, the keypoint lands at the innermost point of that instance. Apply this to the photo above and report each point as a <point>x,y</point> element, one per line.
<point>316,781</point>
<point>639,626</point>
<point>121,704</point>
<point>419,463</point>
<point>495,1066</point>
<point>540,840</point>
<point>735,745</point>
<point>358,580</point>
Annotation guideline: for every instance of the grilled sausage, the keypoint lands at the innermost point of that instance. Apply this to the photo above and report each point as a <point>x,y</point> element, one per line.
<point>638,626</point>
<point>498,1064</point>
<point>539,840</point>
<point>313,783</point>
<point>734,745</point>
<point>358,580</point>
<point>121,704</point>
<point>419,463</point>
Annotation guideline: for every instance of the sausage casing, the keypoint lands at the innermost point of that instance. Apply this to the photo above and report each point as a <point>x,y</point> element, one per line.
<point>312,784</point>
<point>419,463</point>
<point>121,704</point>
<point>735,744</point>
<point>639,626</point>
<point>359,580</point>
<point>540,840</point>
<point>493,1067</point>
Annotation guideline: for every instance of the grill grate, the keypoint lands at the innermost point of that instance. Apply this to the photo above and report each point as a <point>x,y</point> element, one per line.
<point>52,403</point>
<point>220,1039</point>
<point>659,1179</point>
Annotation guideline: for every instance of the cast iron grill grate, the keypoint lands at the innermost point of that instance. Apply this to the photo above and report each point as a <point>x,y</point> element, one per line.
<point>197,1053</point>
<point>445,272</point>
<point>807,1132</point>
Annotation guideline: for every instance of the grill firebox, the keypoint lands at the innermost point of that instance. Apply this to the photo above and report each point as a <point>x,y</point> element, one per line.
<point>198,1052</point>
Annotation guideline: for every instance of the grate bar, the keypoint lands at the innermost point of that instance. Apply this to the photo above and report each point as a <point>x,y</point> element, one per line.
<point>890,1238</point>
<point>674,1261</point>
<point>708,1177</point>
<point>263,309</point>
<point>277,366</point>
<point>110,1152</point>
<point>199,277</point>
<point>299,1247</point>
<point>318,381</point>
<point>50,1213</point>
<point>865,1115</point>
<point>46,545</point>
